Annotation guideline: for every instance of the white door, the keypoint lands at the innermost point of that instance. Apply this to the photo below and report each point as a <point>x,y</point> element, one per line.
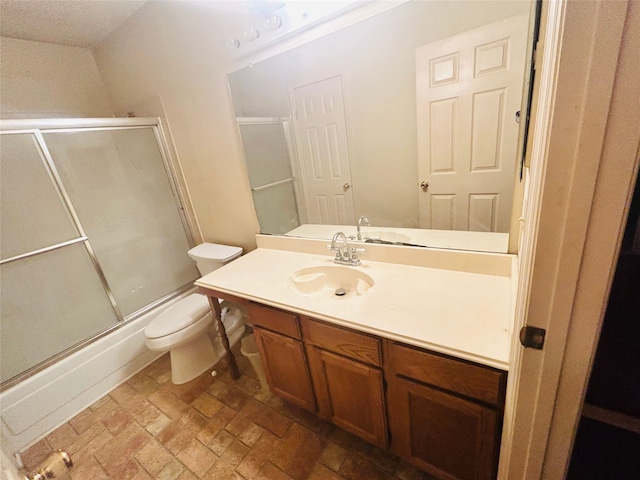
<point>321,132</point>
<point>468,90</point>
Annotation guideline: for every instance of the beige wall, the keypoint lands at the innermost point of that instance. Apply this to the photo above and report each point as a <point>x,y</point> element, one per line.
<point>168,60</point>
<point>42,80</point>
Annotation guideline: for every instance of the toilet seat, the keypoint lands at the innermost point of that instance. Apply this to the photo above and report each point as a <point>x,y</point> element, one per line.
<point>179,316</point>
<point>187,317</point>
<point>185,330</point>
<point>180,337</point>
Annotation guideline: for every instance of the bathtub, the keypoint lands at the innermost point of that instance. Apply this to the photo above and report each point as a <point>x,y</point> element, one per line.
<point>43,402</point>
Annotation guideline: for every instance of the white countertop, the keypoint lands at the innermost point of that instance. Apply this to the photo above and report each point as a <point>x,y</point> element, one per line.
<point>467,315</point>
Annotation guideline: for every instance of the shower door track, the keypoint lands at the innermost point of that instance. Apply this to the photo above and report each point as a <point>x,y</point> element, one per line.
<point>77,123</point>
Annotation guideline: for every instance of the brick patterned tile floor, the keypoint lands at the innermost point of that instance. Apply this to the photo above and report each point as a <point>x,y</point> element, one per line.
<point>210,428</point>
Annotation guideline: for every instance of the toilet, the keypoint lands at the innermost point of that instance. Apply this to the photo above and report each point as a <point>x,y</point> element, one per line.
<point>187,330</point>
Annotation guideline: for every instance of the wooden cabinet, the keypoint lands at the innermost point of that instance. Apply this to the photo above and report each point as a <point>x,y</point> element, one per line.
<point>349,386</point>
<point>445,414</point>
<point>283,358</point>
<point>445,435</point>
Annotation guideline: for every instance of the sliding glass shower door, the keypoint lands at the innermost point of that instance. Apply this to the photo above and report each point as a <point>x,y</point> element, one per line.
<point>51,297</point>
<point>120,191</point>
<point>92,235</point>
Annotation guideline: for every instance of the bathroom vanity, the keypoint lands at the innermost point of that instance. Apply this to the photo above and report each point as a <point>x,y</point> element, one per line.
<point>410,358</point>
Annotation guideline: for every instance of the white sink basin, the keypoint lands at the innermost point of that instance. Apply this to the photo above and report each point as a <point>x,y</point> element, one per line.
<point>330,281</point>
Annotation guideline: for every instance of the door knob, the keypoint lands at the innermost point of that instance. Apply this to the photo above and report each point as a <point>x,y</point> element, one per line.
<point>346,186</point>
<point>424,185</point>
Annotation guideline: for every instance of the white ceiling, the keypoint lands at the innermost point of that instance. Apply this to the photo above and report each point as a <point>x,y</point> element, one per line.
<point>78,23</point>
<point>85,23</point>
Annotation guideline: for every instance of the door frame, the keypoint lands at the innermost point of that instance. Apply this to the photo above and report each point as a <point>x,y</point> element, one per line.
<point>584,161</point>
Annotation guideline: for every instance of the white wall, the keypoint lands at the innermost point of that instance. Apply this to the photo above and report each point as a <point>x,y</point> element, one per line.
<point>169,60</point>
<point>42,80</point>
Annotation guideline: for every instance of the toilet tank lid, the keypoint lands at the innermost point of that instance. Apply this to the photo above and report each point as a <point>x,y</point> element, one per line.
<point>178,316</point>
<point>215,251</point>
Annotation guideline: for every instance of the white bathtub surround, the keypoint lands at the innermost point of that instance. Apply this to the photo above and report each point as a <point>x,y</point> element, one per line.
<point>38,405</point>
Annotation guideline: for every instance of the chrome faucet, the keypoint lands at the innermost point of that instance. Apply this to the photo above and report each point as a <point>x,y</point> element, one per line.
<point>345,255</point>
<point>366,222</point>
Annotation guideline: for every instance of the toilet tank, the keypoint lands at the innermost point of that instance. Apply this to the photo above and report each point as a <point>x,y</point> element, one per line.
<point>211,256</point>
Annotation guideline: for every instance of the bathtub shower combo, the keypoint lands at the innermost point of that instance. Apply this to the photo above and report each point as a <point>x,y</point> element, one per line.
<point>93,246</point>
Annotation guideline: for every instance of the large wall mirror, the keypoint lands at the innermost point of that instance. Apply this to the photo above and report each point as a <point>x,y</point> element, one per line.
<point>409,118</point>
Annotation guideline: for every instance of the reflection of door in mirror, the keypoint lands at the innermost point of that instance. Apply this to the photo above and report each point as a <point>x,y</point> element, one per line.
<point>268,156</point>
<point>321,132</point>
<point>469,88</point>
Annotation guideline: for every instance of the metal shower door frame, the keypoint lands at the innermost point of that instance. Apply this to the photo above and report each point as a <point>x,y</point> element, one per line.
<point>37,128</point>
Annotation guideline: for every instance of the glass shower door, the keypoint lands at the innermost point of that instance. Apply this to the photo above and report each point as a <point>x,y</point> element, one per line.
<point>52,296</point>
<point>91,235</point>
<point>120,190</point>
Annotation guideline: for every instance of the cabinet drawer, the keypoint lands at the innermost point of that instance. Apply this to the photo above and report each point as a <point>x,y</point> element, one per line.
<point>275,320</point>
<point>343,341</point>
<point>482,383</point>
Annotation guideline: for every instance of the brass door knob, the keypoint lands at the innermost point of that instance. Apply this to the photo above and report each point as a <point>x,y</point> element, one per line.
<point>346,186</point>
<point>424,185</point>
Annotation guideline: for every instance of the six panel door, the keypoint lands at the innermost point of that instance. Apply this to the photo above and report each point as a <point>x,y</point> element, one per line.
<point>468,90</point>
<point>321,130</point>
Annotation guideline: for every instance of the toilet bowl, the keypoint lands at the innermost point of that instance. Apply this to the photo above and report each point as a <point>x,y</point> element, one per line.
<point>187,330</point>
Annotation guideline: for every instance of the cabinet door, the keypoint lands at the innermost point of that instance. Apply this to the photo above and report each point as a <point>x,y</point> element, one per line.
<point>350,394</point>
<point>285,366</point>
<point>445,435</point>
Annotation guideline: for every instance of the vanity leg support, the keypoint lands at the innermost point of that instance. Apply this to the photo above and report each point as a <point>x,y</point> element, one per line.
<point>217,314</point>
